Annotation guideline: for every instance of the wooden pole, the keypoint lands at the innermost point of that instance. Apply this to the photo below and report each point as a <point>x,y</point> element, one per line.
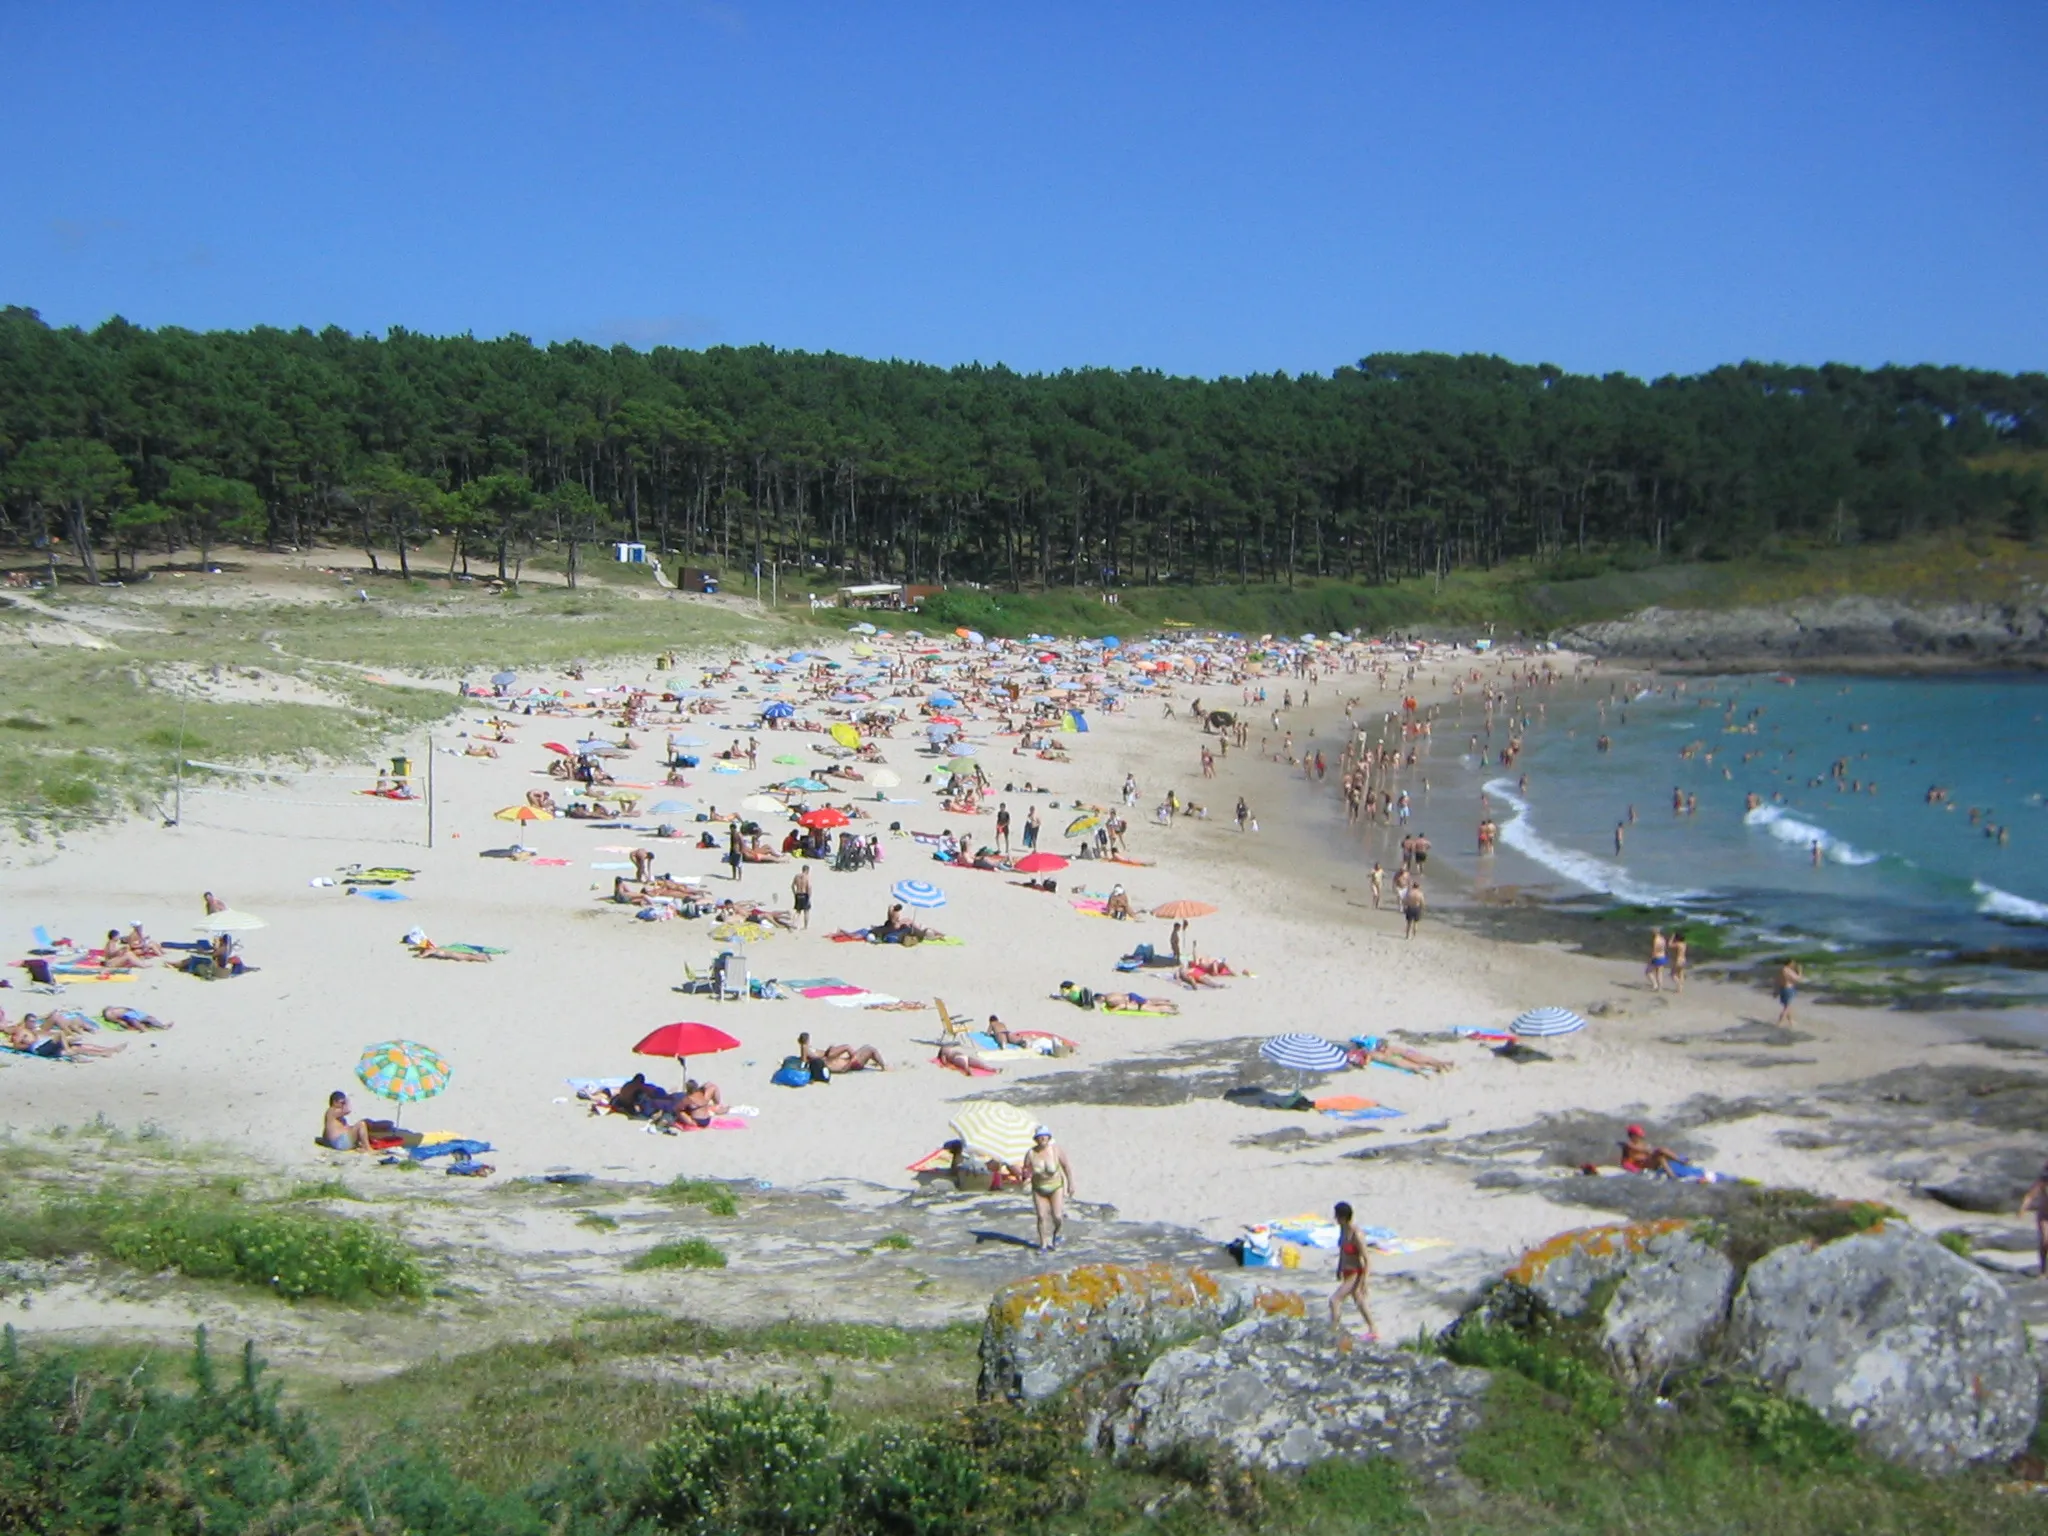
<point>430,791</point>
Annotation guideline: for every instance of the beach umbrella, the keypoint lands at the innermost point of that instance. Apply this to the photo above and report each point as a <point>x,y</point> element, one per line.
<point>742,933</point>
<point>885,778</point>
<point>990,1129</point>
<point>524,813</point>
<point>688,741</point>
<point>685,1039</point>
<point>1538,1023</point>
<point>504,679</point>
<point>671,808</point>
<point>825,816</point>
<point>1040,863</point>
<point>1084,823</point>
<point>846,736</point>
<point>403,1071</point>
<point>762,804</point>
<point>230,921</point>
<point>1179,911</point>
<point>778,711</point>
<point>917,893</point>
<point>1304,1053</point>
<point>807,783</point>
<point>960,749</point>
<point>596,744</point>
<point>944,701</point>
<point>556,746</point>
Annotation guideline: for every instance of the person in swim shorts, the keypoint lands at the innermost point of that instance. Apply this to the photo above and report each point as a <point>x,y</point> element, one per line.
<point>335,1130</point>
<point>1789,977</point>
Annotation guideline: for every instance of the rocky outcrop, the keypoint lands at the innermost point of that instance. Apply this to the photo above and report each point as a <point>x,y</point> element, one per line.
<point>1824,629</point>
<point>1045,1334</point>
<point>1895,1338</point>
<point>1283,1393</point>
<point>1991,1183</point>
<point>1672,1300</point>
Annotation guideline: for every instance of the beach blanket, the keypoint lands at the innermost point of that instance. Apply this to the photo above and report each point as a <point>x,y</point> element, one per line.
<point>718,1123</point>
<point>377,893</point>
<point>1089,906</point>
<point>858,999</point>
<point>1377,1112</point>
<point>550,863</point>
<point>971,1071</point>
<point>829,989</point>
<point>446,1144</point>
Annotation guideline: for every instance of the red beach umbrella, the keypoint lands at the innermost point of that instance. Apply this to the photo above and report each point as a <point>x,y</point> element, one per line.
<point>824,816</point>
<point>685,1039</point>
<point>556,746</point>
<point>1040,863</point>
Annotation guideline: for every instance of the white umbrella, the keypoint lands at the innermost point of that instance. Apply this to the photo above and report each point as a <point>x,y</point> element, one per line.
<point>230,921</point>
<point>885,778</point>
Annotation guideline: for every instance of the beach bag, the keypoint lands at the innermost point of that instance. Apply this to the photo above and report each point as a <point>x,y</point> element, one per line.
<point>819,1072</point>
<point>792,1074</point>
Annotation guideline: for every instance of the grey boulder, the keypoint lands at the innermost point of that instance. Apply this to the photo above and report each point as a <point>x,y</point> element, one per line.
<point>1045,1334</point>
<point>1671,1302</point>
<point>1893,1337</point>
<point>1282,1393</point>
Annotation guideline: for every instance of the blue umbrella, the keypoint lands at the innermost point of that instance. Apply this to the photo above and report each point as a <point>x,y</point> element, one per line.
<point>778,711</point>
<point>945,701</point>
<point>504,679</point>
<point>916,893</point>
<point>806,784</point>
<point>1304,1053</point>
<point>1542,1022</point>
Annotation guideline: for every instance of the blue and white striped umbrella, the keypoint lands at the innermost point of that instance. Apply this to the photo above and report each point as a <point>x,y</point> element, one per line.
<point>1304,1053</point>
<point>778,711</point>
<point>1541,1022</point>
<point>917,893</point>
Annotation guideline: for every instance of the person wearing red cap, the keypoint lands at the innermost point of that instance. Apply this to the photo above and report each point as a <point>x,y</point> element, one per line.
<point>1640,1155</point>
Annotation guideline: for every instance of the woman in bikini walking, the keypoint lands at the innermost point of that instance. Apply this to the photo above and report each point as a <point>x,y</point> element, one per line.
<point>1351,1272</point>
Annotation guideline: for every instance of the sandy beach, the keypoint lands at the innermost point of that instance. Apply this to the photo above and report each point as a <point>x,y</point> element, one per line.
<point>1138,1105</point>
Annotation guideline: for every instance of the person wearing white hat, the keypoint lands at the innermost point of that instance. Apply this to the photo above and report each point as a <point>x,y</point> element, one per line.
<point>1052,1181</point>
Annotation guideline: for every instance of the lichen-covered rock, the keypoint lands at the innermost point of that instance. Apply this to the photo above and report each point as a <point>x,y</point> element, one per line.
<point>1563,1273</point>
<point>1282,1393</point>
<point>1890,1335</point>
<point>1044,1334</point>
<point>1672,1300</point>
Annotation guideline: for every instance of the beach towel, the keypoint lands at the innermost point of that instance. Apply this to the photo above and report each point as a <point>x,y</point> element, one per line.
<point>1346,1101</point>
<point>860,1000</point>
<point>550,863</point>
<point>828,989</point>
<point>718,1123</point>
<point>378,893</point>
<point>1377,1112</point>
<point>584,1087</point>
<point>1149,1009</point>
<point>446,1144</point>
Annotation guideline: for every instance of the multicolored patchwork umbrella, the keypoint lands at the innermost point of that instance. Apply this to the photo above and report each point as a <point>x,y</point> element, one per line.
<point>403,1071</point>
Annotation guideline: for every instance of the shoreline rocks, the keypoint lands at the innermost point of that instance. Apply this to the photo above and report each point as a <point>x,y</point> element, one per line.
<point>1841,630</point>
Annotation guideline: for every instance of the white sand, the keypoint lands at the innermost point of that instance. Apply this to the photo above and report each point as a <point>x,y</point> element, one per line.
<point>250,1061</point>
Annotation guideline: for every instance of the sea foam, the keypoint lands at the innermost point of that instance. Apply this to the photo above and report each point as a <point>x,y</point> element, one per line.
<point>1595,874</point>
<point>1787,828</point>
<point>1993,902</point>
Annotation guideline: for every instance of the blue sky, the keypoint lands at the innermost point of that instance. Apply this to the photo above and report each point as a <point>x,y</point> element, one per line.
<point>1648,187</point>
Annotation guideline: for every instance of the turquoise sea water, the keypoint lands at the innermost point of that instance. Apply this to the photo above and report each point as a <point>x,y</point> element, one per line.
<point>1894,872</point>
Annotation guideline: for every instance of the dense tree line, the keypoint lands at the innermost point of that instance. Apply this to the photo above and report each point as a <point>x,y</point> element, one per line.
<point>122,439</point>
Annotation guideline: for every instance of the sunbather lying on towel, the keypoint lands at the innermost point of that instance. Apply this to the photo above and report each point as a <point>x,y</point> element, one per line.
<point>1371,1048</point>
<point>1197,976</point>
<point>698,1104</point>
<point>840,1058</point>
<point>1116,1002</point>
